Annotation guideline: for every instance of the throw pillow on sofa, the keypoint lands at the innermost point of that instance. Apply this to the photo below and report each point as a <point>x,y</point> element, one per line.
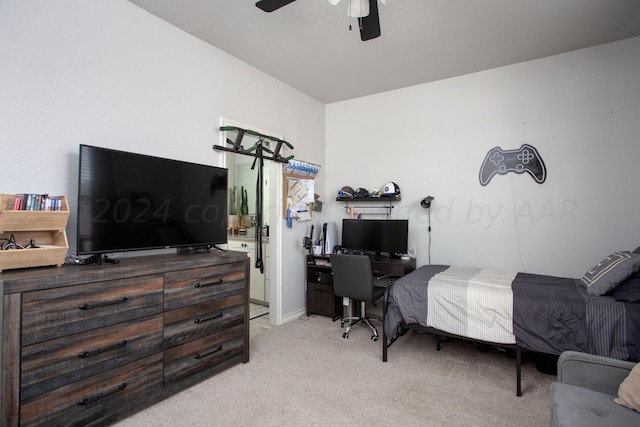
<point>629,390</point>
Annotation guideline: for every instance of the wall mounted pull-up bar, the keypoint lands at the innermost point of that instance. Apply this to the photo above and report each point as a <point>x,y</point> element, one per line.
<point>237,147</point>
<point>257,150</point>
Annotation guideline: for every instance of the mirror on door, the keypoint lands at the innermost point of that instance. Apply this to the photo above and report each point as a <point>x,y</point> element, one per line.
<point>243,222</point>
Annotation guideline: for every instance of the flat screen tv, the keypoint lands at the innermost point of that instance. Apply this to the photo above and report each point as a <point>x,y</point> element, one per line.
<point>129,201</point>
<point>381,236</point>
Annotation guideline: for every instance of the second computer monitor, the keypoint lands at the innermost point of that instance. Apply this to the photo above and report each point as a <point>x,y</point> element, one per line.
<point>381,236</point>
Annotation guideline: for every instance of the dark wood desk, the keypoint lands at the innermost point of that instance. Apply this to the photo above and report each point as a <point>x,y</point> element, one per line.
<point>395,267</point>
<point>320,296</point>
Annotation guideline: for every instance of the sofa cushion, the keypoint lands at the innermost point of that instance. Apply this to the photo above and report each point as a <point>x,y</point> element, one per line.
<point>629,391</point>
<point>576,406</point>
<point>609,273</point>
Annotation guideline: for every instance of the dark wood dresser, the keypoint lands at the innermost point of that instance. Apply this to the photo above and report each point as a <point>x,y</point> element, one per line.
<point>90,345</point>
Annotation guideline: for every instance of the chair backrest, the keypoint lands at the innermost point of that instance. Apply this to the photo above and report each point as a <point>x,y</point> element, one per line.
<point>352,276</point>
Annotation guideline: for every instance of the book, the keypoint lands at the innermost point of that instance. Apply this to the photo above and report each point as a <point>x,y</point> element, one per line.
<point>17,203</point>
<point>36,202</point>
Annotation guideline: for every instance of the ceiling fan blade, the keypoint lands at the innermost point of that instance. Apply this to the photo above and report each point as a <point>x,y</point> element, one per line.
<point>370,24</point>
<point>271,5</point>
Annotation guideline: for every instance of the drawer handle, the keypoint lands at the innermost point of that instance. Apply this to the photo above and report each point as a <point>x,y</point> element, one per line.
<point>202,356</point>
<point>206,319</point>
<point>87,306</point>
<point>90,400</point>
<point>202,285</point>
<point>119,344</point>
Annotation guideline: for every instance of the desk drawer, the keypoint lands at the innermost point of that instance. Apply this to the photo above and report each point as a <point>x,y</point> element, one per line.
<point>197,321</point>
<point>188,287</point>
<point>68,310</point>
<point>205,353</point>
<point>58,362</point>
<point>322,300</point>
<point>393,266</point>
<point>97,400</point>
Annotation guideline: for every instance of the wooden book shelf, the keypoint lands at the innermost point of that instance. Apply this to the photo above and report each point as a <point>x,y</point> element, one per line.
<point>45,228</point>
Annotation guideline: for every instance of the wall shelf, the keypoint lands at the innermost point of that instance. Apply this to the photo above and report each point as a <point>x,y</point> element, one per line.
<point>383,205</point>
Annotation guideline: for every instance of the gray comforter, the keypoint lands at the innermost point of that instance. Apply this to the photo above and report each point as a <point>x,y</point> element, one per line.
<point>550,314</point>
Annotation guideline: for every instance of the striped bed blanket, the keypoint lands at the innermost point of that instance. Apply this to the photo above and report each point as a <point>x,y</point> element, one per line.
<point>545,314</point>
<point>472,303</point>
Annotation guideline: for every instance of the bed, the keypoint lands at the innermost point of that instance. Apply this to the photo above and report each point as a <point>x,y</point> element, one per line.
<point>598,313</point>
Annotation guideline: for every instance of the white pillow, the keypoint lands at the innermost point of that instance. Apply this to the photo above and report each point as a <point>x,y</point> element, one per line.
<point>629,390</point>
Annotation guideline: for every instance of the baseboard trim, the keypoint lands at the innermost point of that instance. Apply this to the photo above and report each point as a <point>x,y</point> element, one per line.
<point>295,315</point>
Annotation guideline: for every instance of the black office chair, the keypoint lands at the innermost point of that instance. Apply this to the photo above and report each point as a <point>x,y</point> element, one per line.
<point>353,278</point>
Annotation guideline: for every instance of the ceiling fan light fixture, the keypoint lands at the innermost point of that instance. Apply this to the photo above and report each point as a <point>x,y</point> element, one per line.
<point>358,8</point>
<point>384,2</point>
<point>334,2</point>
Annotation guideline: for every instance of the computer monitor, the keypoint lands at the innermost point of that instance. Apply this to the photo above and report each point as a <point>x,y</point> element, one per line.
<point>382,236</point>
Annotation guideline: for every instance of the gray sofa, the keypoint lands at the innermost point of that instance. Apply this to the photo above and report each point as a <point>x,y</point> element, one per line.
<point>584,392</point>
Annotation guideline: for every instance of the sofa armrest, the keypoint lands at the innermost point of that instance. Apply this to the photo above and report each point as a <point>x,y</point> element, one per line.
<point>593,372</point>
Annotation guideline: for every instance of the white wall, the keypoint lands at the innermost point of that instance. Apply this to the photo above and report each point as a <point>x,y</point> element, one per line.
<point>581,110</point>
<point>107,73</point>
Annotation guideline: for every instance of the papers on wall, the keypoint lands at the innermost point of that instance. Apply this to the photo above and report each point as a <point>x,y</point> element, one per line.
<point>299,197</point>
<point>303,215</point>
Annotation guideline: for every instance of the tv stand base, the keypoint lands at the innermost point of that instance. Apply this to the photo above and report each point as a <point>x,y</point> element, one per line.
<point>198,249</point>
<point>99,259</point>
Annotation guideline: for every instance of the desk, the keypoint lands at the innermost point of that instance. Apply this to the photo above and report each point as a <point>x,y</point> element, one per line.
<point>320,296</point>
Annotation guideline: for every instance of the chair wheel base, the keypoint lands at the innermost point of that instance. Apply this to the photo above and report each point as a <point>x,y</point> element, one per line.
<point>374,337</point>
<point>345,335</point>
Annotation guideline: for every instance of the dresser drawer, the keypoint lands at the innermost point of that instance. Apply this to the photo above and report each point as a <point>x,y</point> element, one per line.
<point>203,354</point>
<point>58,362</point>
<point>99,400</point>
<point>197,321</point>
<point>196,285</point>
<point>62,311</point>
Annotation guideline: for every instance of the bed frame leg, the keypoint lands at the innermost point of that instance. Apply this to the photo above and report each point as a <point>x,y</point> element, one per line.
<point>518,372</point>
<point>384,346</point>
<point>384,321</point>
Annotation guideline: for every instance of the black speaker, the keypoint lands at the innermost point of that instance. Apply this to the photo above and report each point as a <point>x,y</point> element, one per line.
<point>330,233</point>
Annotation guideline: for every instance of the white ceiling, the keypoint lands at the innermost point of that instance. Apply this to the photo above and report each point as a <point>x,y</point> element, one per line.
<point>307,44</point>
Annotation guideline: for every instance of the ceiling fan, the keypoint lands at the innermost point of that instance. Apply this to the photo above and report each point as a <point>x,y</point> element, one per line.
<point>365,10</point>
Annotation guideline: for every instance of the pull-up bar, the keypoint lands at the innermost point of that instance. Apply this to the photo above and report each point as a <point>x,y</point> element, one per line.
<point>238,148</point>
<point>257,150</point>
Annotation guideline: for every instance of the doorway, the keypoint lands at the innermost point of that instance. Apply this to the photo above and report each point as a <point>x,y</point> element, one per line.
<point>265,289</point>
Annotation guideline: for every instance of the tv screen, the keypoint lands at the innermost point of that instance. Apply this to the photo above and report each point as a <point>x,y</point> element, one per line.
<point>130,201</point>
<point>388,236</point>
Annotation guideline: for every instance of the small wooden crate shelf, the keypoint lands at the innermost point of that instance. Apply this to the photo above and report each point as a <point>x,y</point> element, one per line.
<point>46,228</point>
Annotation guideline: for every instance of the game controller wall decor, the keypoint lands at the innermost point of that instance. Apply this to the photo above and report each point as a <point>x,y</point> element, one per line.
<point>524,159</point>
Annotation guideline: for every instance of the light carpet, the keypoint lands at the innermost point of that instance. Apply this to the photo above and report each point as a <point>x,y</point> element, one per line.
<point>305,373</point>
